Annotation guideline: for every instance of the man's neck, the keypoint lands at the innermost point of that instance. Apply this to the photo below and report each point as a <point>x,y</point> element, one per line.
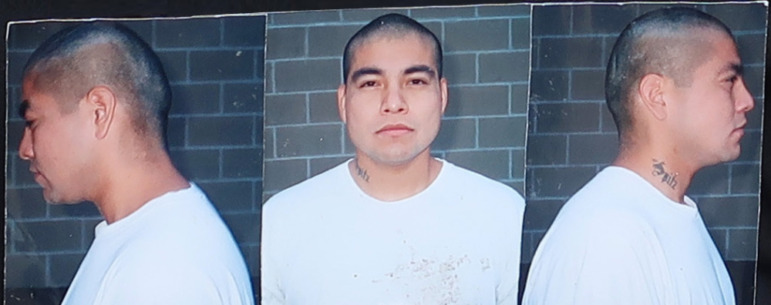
<point>394,182</point>
<point>130,185</point>
<point>666,172</point>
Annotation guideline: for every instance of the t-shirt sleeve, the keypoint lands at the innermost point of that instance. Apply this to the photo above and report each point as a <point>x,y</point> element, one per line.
<point>610,262</point>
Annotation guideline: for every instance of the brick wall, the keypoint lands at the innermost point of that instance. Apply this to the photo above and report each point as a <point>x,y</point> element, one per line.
<point>572,135</point>
<point>487,53</point>
<point>215,66</point>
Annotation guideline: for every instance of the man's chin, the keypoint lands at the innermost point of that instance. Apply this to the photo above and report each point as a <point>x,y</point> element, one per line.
<point>397,159</point>
<point>737,151</point>
<point>730,156</point>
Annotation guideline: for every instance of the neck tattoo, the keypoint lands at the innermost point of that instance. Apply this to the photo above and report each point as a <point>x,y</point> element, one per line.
<point>667,178</point>
<point>361,172</point>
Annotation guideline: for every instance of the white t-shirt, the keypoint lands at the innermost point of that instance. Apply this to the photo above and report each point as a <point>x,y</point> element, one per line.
<point>175,249</point>
<point>621,241</point>
<point>324,241</point>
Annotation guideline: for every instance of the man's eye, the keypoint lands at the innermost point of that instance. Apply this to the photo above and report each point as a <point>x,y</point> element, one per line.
<point>370,83</point>
<point>417,82</point>
<point>731,79</point>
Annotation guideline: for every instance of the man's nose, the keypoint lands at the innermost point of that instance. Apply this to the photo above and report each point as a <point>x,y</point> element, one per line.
<point>393,101</point>
<point>26,152</point>
<point>744,100</point>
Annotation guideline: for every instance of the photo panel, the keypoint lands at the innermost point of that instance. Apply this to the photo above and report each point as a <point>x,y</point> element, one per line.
<point>214,137</point>
<point>486,63</point>
<point>572,135</point>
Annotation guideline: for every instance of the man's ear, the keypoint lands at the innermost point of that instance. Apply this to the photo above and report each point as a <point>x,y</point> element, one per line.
<point>102,103</point>
<point>443,88</point>
<point>651,92</point>
<point>341,102</point>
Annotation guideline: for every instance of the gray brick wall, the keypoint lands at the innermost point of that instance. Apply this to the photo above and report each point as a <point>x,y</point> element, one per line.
<point>572,135</point>
<point>487,54</point>
<point>215,66</point>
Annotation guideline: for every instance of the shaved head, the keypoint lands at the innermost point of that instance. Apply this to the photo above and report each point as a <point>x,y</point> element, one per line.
<point>672,42</point>
<point>75,60</point>
<point>390,26</point>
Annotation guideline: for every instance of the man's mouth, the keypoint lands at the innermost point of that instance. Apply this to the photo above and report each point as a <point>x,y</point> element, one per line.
<point>36,175</point>
<point>394,130</point>
<point>740,129</point>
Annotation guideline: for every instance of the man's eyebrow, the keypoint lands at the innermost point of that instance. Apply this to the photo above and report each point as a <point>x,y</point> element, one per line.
<point>738,68</point>
<point>420,68</point>
<point>23,107</point>
<point>365,71</point>
<point>734,68</point>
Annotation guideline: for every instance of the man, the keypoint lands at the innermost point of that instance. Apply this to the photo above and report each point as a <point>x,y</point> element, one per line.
<point>95,100</point>
<point>393,225</point>
<point>631,236</point>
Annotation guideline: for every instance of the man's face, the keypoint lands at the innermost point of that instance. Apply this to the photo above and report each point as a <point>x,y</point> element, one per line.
<point>393,100</point>
<point>54,143</point>
<point>711,112</point>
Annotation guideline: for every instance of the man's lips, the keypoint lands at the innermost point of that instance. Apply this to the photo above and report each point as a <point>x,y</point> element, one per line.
<point>394,130</point>
<point>740,129</point>
<point>36,175</point>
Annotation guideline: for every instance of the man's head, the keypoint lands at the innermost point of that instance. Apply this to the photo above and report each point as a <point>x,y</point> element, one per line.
<point>76,59</point>
<point>393,94</point>
<point>679,67</point>
<point>72,85</point>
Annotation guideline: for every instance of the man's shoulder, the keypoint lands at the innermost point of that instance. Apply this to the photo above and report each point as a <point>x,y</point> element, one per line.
<point>473,181</point>
<point>464,183</point>
<point>175,212</point>
<point>600,238</point>
<point>182,223</point>
<point>608,207</point>
<point>184,252</point>
<point>325,184</point>
<point>600,221</point>
<point>614,193</point>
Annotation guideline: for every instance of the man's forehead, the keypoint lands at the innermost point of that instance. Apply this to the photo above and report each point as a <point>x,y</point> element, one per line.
<point>28,90</point>
<point>30,86</point>
<point>27,87</point>
<point>718,49</point>
<point>34,96</point>
<point>388,41</point>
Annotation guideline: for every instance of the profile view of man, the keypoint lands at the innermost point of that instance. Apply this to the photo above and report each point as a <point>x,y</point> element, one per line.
<point>393,225</point>
<point>95,101</point>
<point>630,236</point>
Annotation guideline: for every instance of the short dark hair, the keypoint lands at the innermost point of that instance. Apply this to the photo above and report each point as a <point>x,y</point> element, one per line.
<point>390,24</point>
<point>126,64</point>
<point>652,43</point>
